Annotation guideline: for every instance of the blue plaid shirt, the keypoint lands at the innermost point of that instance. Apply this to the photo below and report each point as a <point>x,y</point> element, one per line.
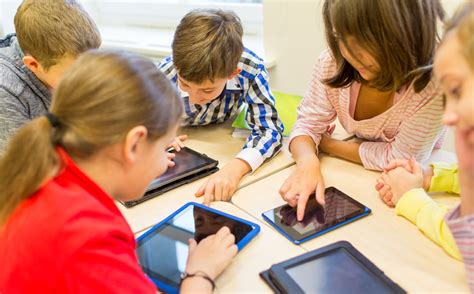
<point>250,87</point>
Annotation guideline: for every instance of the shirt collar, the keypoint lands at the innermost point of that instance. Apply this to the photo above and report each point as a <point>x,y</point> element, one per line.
<point>231,85</point>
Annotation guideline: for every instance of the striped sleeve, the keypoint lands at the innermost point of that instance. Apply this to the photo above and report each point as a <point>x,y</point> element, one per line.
<point>315,113</point>
<point>463,233</point>
<point>262,117</point>
<point>416,136</point>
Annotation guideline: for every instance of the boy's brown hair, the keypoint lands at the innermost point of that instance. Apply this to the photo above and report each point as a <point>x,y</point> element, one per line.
<point>48,30</point>
<point>207,45</point>
<point>400,35</point>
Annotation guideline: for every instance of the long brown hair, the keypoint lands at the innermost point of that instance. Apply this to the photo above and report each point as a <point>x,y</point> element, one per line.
<point>400,35</point>
<point>99,99</point>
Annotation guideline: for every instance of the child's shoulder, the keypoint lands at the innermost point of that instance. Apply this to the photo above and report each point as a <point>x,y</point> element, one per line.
<point>251,64</point>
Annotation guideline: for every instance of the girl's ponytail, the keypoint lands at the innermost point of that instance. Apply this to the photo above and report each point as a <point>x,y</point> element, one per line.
<point>29,160</point>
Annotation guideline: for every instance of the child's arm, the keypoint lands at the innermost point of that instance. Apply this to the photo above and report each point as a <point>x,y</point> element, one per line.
<point>262,117</point>
<point>412,202</point>
<point>419,208</point>
<point>316,113</point>
<point>416,138</point>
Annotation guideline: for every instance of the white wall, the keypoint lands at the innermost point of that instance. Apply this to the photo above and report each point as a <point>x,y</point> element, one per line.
<point>294,36</point>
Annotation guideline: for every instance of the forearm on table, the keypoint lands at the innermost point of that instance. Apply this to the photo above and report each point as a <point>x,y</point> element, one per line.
<point>343,149</point>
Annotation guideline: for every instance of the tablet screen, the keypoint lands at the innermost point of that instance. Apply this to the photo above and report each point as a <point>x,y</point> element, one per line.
<point>163,253</point>
<point>187,162</point>
<point>338,208</point>
<point>336,271</point>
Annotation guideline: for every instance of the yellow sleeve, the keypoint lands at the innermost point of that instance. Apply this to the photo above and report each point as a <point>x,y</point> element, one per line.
<point>445,178</point>
<point>428,215</point>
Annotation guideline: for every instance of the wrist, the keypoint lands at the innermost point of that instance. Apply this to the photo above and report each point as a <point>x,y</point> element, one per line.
<point>241,167</point>
<point>427,176</point>
<point>307,159</point>
<point>202,276</point>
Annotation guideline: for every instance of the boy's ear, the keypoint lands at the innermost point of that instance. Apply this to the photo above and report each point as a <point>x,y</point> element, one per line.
<point>234,73</point>
<point>32,64</point>
<point>133,144</point>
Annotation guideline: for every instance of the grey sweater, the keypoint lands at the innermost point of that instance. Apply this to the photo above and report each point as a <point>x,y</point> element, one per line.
<point>23,96</point>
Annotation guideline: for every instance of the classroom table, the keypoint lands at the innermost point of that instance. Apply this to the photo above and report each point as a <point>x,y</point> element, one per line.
<point>267,248</point>
<point>394,244</point>
<point>217,142</point>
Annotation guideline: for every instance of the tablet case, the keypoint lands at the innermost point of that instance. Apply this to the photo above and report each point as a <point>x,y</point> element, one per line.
<point>243,242</point>
<point>174,184</point>
<point>282,283</point>
<point>366,212</point>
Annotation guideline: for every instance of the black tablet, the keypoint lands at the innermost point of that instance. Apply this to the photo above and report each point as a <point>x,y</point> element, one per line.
<point>339,209</point>
<point>189,166</point>
<point>163,250</point>
<point>336,268</point>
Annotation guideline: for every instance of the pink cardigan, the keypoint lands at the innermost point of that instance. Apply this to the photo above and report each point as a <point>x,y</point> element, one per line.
<point>411,127</point>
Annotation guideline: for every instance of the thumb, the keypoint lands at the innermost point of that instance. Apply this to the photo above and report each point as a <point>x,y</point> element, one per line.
<point>415,167</point>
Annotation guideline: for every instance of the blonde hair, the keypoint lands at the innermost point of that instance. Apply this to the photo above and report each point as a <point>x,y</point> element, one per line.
<point>51,29</point>
<point>207,45</point>
<point>463,21</point>
<point>98,101</point>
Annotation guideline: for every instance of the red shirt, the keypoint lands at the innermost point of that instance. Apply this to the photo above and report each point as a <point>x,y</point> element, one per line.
<point>69,237</point>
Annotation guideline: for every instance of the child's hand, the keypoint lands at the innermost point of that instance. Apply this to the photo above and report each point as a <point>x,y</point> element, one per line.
<point>303,182</point>
<point>177,144</point>
<point>384,192</point>
<point>400,181</point>
<point>213,254</point>
<point>222,185</point>
<point>427,171</point>
<point>171,156</point>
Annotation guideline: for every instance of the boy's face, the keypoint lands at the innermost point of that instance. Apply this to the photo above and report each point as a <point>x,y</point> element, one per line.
<point>206,91</point>
<point>51,76</point>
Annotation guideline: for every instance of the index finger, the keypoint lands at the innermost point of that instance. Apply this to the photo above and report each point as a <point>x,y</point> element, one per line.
<point>302,200</point>
<point>182,137</point>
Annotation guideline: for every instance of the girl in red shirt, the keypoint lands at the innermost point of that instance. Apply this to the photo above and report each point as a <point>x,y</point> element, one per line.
<point>112,117</point>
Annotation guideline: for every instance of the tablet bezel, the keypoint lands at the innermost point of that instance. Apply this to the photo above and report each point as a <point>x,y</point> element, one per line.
<point>364,212</point>
<point>240,245</point>
<point>209,164</point>
<point>285,283</point>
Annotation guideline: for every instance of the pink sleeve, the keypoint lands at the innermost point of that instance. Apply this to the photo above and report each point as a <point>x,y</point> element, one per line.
<point>416,136</point>
<point>316,112</point>
<point>462,229</point>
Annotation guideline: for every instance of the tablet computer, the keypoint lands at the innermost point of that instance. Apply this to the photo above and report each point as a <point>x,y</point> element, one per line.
<point>163,250</point>
<point>189,166</point>
<point>336,268</point>
<point>339,210</point>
